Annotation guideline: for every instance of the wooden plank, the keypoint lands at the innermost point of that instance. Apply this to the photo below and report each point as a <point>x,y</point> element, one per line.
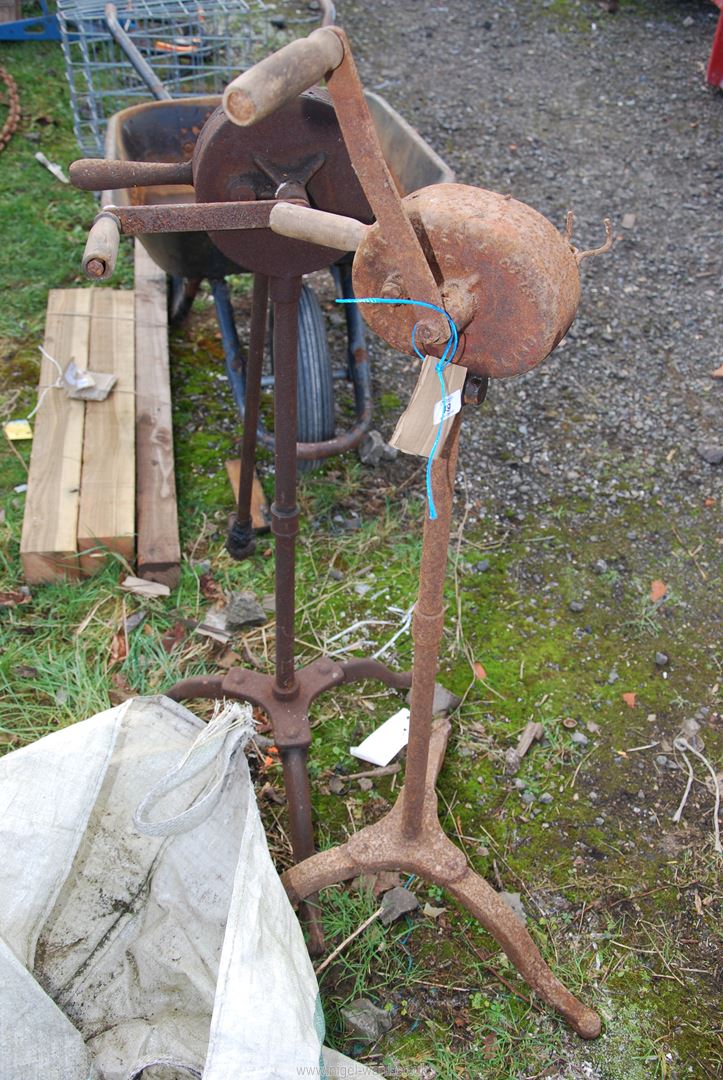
<point>158,544</point>
<point>48,547</point>
<point>260,517</point>
<point>106,518</point>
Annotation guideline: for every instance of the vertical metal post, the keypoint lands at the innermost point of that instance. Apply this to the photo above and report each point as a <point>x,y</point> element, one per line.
<point>427,631</point>
<point>241,538</point>
<point>285,294</point>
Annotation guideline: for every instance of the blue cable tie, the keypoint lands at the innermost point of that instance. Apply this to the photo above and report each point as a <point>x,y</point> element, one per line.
<point>446,358</point>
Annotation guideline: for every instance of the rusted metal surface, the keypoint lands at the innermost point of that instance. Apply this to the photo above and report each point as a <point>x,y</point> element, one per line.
<point>284,509</point>
<point>365,152</point>
<point>509,279</point>
<point>191,217</point>
<point>13,106</point>
<point>410,838</point>
<point>97,174</point>
<point>232,162</point>
<point>241,540</point>
<point>433,857</point>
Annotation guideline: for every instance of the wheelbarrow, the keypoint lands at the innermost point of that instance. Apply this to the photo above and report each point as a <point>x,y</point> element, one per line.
<point>167,130</point>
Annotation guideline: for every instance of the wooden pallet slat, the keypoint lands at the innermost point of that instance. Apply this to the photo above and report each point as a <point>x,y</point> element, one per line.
<point>48,546</point>
<point>106,518</point>
<point>158,544</point>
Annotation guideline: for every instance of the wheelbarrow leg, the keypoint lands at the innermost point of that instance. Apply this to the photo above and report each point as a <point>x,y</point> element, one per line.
<point>241,540</point>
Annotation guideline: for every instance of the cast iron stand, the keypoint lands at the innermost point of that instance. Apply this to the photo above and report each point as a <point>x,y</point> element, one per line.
<point>410,838</point>
<point>287,695</point>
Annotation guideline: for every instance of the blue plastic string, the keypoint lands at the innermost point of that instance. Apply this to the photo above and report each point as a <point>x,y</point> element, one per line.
<point>445,359</point>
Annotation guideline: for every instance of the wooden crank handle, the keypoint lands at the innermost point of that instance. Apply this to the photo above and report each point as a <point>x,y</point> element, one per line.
<point>101,249</point>
<point>317,227</point>
<point>95,174</point>
<point>281,77</point>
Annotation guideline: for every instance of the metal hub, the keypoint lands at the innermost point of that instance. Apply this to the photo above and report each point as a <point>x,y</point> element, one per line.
<point>299,146</point>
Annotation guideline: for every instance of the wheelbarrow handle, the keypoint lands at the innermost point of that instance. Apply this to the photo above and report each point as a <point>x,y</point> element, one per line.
<point>101,249</point>
<point>281,77</point>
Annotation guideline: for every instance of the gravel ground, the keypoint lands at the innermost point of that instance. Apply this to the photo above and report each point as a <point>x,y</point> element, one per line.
<point>568,106</point>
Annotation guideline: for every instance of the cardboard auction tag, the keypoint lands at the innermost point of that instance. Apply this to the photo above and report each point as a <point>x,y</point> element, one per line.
<point>416,428</point>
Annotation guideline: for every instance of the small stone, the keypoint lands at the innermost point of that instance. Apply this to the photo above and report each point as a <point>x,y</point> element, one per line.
<point>514,903</point>
<point>528,798</point>
<point>661,659</point>
<point>483,851</point>
<point>397,902</point>
<point>546,797</point>
<point>373,450</point>
<point>593,796</point>
<point>688,20</point>
<point>580,738</point>
<point>361,589</point>
<point>482,566</point>
<point>613,677</point>
<point>601,567</point>
<point>365,783</point>
<point>711,453</point>
<point>599,820</point>
<point>576,605</point>
<point>365,1021</point>
<point>661,759</point>
<point>336,575</point>
<point>336,785</point>
<point>520,784</point>
<point>444,700</point>
<point>641,795</point>
<point>670,764</point>
<point>243,609</point>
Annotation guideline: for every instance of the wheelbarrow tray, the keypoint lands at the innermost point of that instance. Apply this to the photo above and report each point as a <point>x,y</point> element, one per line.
<point>167,131</point>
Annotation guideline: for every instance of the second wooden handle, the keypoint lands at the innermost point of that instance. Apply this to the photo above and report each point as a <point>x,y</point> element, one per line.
<point>282,76</point>
<point>317,227</point>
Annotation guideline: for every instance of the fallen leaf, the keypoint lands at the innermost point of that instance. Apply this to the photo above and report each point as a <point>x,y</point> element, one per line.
<point>658,590</point>
<point>490,1043</point>
<point>173,636</point>
<point>718,373</point>
<point>378,883</point>
<point>23,671</point>
<point>12,599</point>
<point>210,587</point>
<point>118,648</point>
<point>630,700</point>
<point>122,689</point>
<point>141,587</point>
<point>433,912</point>
<point>134,620</point>
<point>698,904</point>
<point>228,659</point>
<point>479,671</point>
<point>268,791</point>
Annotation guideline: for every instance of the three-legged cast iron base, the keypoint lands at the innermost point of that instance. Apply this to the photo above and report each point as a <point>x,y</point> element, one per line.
<point>432,856</point>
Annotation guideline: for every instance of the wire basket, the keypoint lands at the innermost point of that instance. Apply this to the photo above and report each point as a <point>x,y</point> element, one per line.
<point>194,47</point>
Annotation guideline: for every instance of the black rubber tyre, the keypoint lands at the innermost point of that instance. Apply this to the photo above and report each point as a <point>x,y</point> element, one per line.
<point>315,386</point>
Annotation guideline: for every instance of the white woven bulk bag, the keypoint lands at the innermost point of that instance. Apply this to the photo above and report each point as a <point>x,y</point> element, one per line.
<point>144,931</point>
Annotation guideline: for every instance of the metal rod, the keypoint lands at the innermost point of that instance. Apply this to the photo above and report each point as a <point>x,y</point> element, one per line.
<point>241,536</point>
<point>285,294</point>
<point>427,632</point>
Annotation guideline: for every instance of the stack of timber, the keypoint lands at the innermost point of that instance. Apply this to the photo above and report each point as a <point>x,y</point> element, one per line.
<point>101,472</point>
<point>159,549</point>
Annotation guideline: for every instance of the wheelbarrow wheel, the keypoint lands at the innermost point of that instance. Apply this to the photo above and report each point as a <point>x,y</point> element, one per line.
<point>315,385</point>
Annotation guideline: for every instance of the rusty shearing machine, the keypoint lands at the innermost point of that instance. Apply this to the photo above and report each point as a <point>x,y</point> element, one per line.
<point>509,282</point>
